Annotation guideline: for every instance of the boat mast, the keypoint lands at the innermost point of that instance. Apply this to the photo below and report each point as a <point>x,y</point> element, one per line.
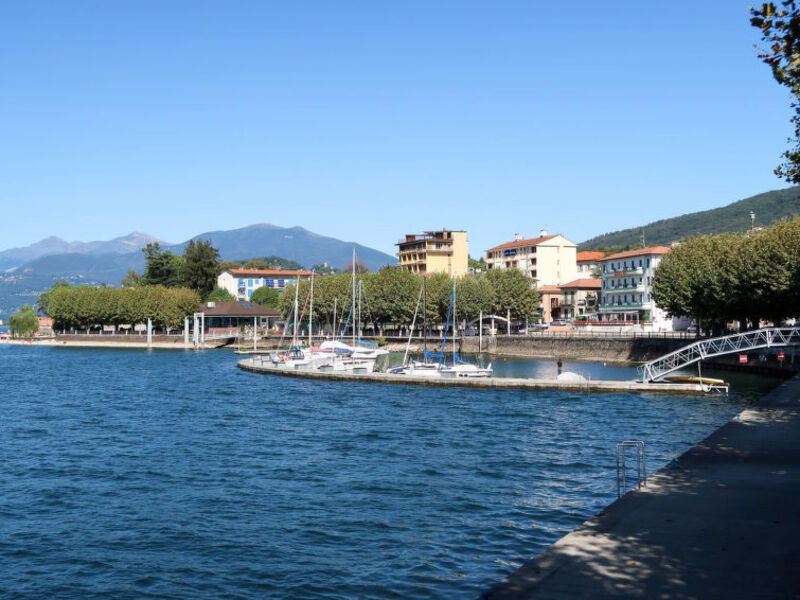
<point>294,329</point>
<point>455,327</point>
<point>354,294</point>
<point>311,312</point>
<point>424,318</point>
<point>359,308</point>
<point>413,323</point>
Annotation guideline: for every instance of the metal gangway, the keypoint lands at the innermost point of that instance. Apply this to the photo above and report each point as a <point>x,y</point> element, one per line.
<point>728,344</point>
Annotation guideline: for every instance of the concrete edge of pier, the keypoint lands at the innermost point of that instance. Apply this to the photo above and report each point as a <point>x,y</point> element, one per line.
<point>721,521</point>
<point>499,383</point>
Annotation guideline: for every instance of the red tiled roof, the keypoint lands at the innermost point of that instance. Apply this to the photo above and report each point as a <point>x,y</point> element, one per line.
<point>587,255</point>
<point>528,242</point>
<point>589,284</point>
<point>639,252</point>
<point>266,272</point>
<point>549,288</point>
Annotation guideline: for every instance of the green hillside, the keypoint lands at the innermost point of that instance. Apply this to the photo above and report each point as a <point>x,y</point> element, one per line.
<point>769,207</point>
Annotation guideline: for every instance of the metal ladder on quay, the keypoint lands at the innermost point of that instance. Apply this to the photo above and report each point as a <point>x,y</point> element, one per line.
<point>641,465</point>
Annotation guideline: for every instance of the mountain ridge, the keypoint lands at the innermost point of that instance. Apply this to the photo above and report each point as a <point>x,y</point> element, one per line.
<point>54,245</point>
<point>22,283</point>
<point>732,217</point>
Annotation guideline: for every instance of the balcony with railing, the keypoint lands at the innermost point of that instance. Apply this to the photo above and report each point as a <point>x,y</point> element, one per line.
<point>624,307</point>
<point>625,288</point>
<point>626,272</point>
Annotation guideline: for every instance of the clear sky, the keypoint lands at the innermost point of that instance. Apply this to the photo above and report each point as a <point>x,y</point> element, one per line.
<point>368,120</point>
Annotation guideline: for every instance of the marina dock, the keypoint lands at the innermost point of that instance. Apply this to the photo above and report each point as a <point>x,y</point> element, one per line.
<point>256,365</point>
<point>721,521</point>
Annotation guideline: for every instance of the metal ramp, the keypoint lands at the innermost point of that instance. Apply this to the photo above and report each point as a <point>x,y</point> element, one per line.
<point>740,342</point>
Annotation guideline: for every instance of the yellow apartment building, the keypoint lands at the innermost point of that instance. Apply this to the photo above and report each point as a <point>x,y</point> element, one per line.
<point>434,252</point>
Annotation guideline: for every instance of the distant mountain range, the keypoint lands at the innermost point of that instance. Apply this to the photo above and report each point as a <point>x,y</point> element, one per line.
<point>26,272</point>
<point>15,257</point>
<point>768,208</point>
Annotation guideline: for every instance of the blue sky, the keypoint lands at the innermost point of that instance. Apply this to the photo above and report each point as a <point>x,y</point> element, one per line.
<point>368,120</point>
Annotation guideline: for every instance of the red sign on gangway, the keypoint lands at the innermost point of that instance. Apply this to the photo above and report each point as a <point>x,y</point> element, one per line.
<point>781,356</point>
<point>743,358</point>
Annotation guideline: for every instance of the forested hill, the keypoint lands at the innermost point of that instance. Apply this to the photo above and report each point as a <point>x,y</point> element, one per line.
<point>769,207</point>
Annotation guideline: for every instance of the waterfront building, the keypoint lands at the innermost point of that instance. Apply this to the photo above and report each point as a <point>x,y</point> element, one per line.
<point>548,259</point>
<point>45,326</point>
<point>626,294</point>
<point>434,252</point>
<point>579,298</point>
<point>588,263</point>
<point>225,316</point>
<point>241,283</point>
<point>550,302</point>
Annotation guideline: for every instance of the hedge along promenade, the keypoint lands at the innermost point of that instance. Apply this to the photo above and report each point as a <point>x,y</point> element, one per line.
<point>82,307</point>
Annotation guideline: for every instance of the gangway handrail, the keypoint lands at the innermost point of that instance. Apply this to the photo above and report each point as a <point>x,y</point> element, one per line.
<point>718,346</point>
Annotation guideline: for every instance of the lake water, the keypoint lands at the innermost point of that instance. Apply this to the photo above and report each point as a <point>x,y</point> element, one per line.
<point>135,474</point>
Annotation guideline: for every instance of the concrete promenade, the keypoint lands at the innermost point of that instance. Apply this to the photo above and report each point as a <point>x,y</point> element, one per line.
<point>263,366</point>
<point>722,522</point>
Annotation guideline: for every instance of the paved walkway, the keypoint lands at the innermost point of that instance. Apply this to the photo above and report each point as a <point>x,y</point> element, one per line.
<point>724,522</point>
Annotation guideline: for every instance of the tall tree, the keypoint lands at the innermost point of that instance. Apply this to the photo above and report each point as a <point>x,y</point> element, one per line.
<point>162,268</point>
<point>733,277</point>
<point>200,268</point>
<point>43,302</point>
<point>266,296</point>
<point>24,323</point>
<point>219,294</point>
<point>132,279</point>
<point>780,33</point>
<point>513,291</point>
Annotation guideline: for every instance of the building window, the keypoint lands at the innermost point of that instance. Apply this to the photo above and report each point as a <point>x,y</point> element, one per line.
<point>249,283</point>
<point>241,283</point>
<point>280,282</point>
<point>270,282</point>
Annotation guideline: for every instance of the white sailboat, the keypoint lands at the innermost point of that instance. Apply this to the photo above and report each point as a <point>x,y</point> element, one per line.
<point>359,357</point>
<point>426,368</point>
<point>297,357</point>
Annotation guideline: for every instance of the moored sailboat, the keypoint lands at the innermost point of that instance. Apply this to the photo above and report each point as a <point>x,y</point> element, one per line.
<point>427,368</point>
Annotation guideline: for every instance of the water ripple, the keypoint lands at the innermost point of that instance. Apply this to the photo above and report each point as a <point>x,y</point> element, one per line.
<point>131,474</point>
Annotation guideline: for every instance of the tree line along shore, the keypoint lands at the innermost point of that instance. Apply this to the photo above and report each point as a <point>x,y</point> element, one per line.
<point>749,277</point>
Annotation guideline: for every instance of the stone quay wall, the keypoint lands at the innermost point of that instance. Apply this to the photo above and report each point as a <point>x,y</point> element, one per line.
<point>602,349</point>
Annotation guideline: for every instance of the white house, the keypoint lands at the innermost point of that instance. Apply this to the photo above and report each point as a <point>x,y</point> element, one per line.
<point>548,259</point>
<point>626,293</point>
<point>587,262</point>
<point>241,283</point>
